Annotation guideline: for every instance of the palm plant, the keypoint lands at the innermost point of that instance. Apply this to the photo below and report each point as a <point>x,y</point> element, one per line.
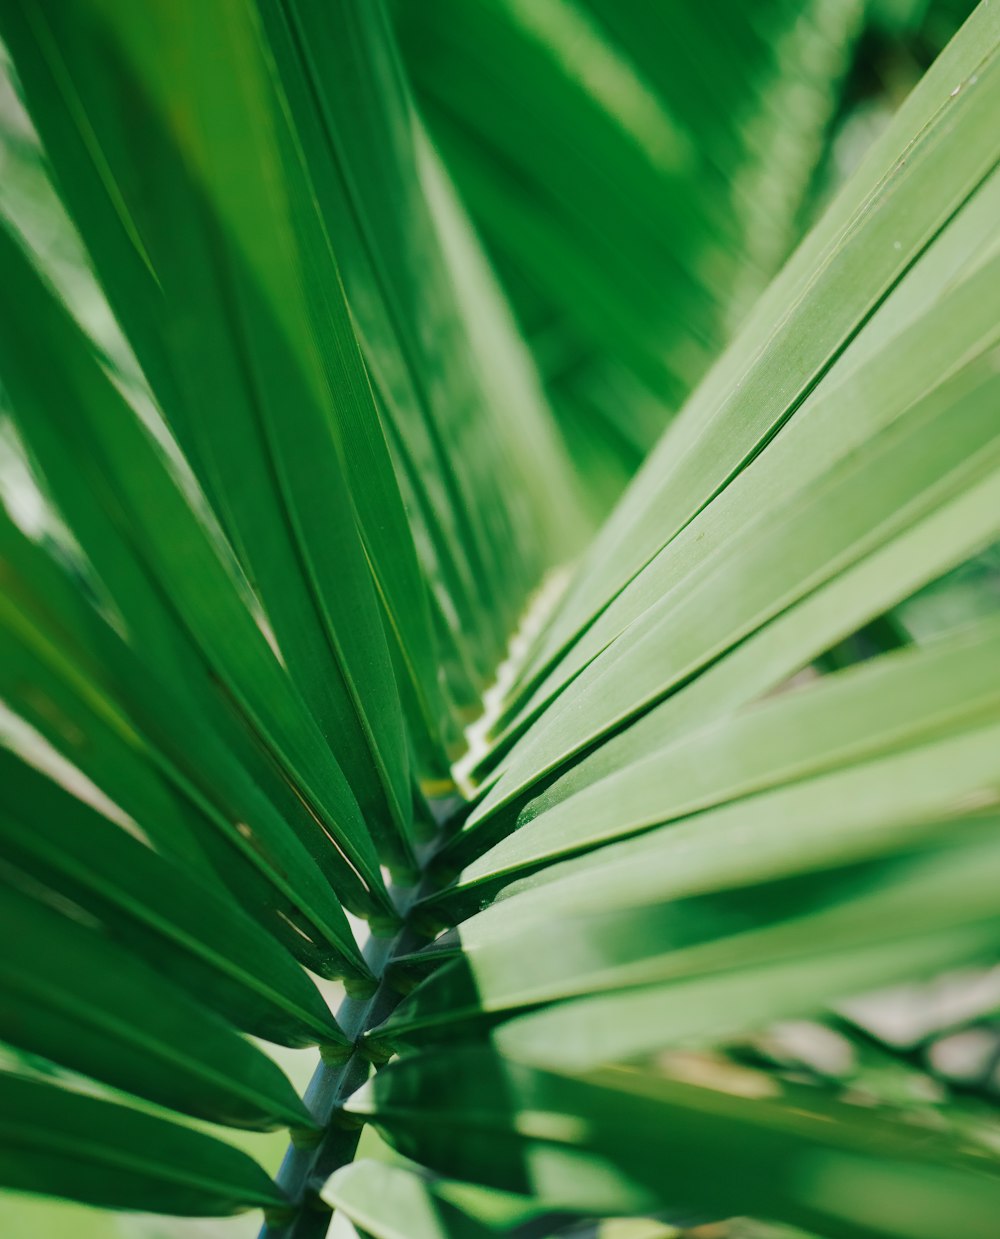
<point>309,496</point>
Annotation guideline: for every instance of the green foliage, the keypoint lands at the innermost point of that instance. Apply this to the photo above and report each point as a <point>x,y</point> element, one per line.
<point>636,174</point>
<point>291,497</point>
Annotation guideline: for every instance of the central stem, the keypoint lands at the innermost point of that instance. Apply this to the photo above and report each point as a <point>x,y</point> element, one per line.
<point>306,1168</point>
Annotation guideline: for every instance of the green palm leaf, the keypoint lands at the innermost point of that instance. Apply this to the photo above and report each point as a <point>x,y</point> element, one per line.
<point>177,922</point>
<point>399,1202</point>
<point>78,999</point>
<point>309,498</point>
<point>143,739</point>
<point>622,1140</point>
<point>57,1141</point>
<point>920,172</point>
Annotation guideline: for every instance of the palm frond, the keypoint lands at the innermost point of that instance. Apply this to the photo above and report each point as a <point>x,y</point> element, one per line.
<point>293,505</point>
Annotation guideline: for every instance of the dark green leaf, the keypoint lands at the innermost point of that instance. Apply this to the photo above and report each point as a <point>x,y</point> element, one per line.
<point>64,1144</point>
<point>179,924</point>
<point>74,996</point>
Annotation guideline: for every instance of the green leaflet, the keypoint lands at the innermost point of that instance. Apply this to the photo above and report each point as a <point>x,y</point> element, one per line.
<point>468,424</point>
<point>875,807</point>
<point>835,933</point>
<point>712,1008</point>
<point>177,923</point>
<point>938,149</point>
<point>962,526</point>
<point>47,676</point>
<point>61,397</point>
<point>941,318</point>
<point>65,1144</point>
<point>943,445</point>
<point>332,187</point>
<point>261,406</point>
<point>622,1141</point>
<point>141,738</point>
<point>940,315</point>
<point>398,1202</point>
<point>884,705</point>
<point>602,913</point>
<point>80,999</point>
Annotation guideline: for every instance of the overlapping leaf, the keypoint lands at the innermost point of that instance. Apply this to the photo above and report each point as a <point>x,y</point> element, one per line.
<point>620,1140</point>
<point>683,607</point>
<point>937,151</point>
<point>145,740</point>
<point>80,999</point>
<point>766,895</point>
<point>158,910</point>
<point>67,1144</point>
<point>398,1202</point>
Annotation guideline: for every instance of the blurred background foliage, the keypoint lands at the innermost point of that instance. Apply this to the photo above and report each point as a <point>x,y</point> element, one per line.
<point>710,149</point>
